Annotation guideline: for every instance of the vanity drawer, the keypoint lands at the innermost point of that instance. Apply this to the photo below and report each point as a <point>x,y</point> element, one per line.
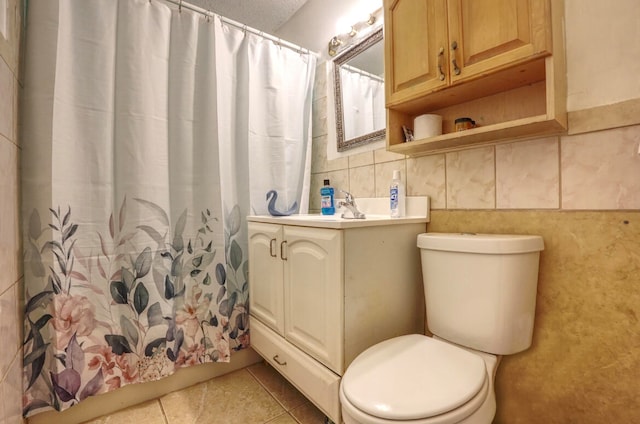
<point>314,380</point>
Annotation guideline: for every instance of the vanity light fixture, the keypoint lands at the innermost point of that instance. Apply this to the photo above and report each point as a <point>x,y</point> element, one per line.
<point>351,31</point>
<point>334,43</point>
<point>371,19</point>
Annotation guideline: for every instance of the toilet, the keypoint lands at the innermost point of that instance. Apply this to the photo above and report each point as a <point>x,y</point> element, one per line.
<point>480,292</point>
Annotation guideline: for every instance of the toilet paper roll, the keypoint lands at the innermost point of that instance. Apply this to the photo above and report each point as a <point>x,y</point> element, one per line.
<point>428,125</point>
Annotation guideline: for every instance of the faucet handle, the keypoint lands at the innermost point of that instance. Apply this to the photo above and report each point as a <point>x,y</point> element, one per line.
<point>348,197</point>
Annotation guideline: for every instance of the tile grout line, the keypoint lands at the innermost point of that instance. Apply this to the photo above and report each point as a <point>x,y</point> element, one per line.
<point>273,396</point>
<point>266,389</point>
<point>278,416</point>
<point>164,414</point>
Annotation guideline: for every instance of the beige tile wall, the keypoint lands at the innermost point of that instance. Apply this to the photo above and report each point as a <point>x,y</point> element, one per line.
<point>591,171</point>
<point>582,194</point>
<point>10,247</point>
<point>583,365</point>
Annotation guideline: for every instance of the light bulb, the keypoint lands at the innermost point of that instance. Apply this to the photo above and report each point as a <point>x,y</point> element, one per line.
<point>343,25</point>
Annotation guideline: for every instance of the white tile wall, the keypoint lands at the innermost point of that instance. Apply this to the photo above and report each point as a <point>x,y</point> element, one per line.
<point>3,19</point>
<point>527,175</point>
<point>471,179</point>
<point>426,175</point>
<point>361,159</point>
<point>10,246</point>
<point>9,210</point>
<point>362,181</point>
<point>384,175</point>
<point>7,90</point>
<point>601,170</point>
<point>9,333</point>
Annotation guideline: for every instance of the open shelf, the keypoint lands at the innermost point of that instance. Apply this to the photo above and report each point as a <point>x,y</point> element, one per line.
<point>521,102</point>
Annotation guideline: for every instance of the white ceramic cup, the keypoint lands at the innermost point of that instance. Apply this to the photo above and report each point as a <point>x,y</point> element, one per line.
<point>428,125</point>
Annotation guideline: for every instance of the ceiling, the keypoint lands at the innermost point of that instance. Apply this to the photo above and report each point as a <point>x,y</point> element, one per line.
<point>263,15</point>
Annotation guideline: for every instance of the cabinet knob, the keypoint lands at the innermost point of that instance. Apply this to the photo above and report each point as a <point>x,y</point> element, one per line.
<point>282,363</point>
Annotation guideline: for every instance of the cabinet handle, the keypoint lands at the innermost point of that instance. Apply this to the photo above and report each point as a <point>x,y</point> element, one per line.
<point>440,71</point>
<point>282,245</point>
<point>272,248</point>
<point>456,69</point>
<point>275,358</point>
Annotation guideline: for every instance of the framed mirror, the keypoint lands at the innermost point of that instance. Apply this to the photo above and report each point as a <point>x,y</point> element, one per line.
<point>358,81</point>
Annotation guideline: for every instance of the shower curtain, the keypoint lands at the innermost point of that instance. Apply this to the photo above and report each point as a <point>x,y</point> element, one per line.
<point>149,135</point>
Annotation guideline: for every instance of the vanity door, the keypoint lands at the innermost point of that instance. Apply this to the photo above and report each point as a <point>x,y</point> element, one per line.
<point>265,275</point>
<point>314,293</point>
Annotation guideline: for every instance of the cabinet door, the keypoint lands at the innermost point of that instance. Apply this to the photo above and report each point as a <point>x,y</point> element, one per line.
<point>266,286</point>
<point>489,35</point>
<point>416,54</point>
<point>313,265</point>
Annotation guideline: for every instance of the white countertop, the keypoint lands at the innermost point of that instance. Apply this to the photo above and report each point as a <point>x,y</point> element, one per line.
<point>375,209</point>
<point>335,221</point>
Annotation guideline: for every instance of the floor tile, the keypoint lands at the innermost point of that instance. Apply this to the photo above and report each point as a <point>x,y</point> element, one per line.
<point>234,398</point>
<point>308,414</point>
<point>283,419</point>
<point>145,413</point>
<point>11,394</point>
<point>277,385</point>
<point>7,93</point>
<point>10,248</point>
<point>9,329</point>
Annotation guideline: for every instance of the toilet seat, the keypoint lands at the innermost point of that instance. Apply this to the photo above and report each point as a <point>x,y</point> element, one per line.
<point>437,380</point>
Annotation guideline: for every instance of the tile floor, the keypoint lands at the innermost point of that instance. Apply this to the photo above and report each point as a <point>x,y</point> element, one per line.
<point>254,395</point>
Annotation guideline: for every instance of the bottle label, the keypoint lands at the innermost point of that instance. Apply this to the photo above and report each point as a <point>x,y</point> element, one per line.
<point>394,197</point>
<point>325,202</point>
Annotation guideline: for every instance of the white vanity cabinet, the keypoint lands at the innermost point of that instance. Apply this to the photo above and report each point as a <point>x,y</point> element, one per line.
<point>297,290</point>
<point>320,296</point>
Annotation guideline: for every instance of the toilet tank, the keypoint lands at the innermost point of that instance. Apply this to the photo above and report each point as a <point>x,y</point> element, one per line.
<point>480,289</point>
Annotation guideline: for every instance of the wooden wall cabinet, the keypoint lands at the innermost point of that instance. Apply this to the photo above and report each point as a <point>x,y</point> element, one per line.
<point>498,62</point>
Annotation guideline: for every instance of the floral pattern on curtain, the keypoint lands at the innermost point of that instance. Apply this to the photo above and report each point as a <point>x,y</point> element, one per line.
<point>236,279</point>
<point>154,334</point>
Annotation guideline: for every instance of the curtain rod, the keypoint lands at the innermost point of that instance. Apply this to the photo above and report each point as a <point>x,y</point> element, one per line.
<point>209,14</point>
<point>361,72</point>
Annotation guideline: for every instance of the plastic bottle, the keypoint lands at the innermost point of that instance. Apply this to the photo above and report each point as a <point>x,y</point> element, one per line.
<point>327,200</point>
<point>396,196</point>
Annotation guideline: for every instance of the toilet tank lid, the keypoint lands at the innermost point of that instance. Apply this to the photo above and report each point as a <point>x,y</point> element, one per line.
<point>480,243</point>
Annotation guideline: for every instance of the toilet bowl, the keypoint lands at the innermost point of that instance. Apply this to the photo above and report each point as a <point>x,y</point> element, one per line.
<point>429,381</point>
<point>480,293</point>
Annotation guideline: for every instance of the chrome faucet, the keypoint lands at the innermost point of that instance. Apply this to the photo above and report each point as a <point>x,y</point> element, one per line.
<point>349,202</point>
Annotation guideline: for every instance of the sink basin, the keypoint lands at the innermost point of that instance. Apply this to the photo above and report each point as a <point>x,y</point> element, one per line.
<point>375,209</point>
<point>315,217</point>
<point>336,221</point>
